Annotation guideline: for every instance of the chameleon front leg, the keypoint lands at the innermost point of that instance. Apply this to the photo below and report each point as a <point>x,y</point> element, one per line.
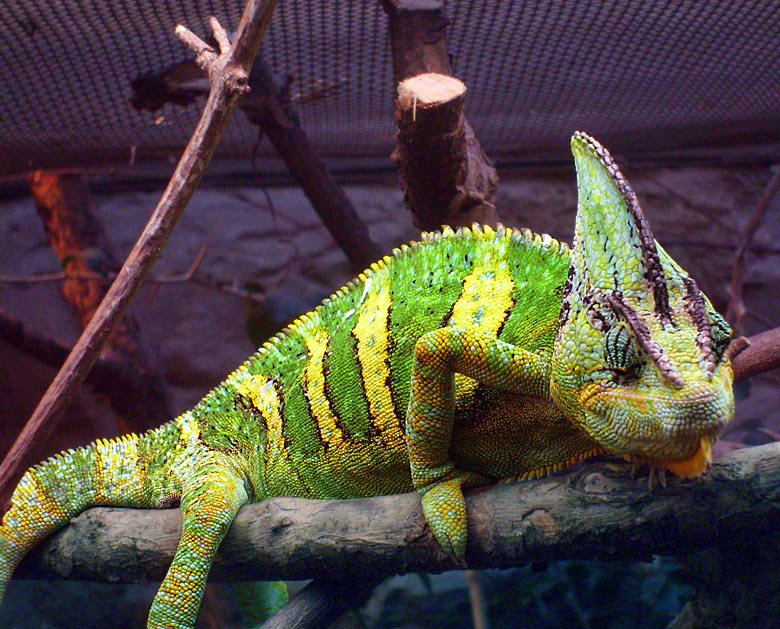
<point>209,504</point>
<point>438,356</point>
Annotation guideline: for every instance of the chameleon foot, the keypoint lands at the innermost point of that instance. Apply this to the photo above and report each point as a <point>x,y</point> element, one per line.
<point>445,511</point>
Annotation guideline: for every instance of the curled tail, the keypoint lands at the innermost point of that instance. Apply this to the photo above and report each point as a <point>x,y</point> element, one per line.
<point>123,472</point>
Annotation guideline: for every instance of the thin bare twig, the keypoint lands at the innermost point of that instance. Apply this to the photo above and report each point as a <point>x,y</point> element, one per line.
<point>187,275</point>
<point>228,73</point>
<point>736,309</point>
<point>91,275</point>
<point>206,281</point>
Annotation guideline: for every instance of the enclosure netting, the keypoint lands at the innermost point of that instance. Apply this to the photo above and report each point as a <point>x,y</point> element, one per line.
<point>662,78</point>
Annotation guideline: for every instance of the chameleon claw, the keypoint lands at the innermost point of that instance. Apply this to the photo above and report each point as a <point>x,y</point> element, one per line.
<point>660,472</point>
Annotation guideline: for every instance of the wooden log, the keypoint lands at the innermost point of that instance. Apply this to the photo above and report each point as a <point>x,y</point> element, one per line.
<point>596,512</point>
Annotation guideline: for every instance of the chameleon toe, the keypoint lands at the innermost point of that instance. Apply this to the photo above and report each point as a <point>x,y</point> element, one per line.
<point>445,510</point>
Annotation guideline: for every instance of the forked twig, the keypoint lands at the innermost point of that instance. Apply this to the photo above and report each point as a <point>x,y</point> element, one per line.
<point>228,74</point>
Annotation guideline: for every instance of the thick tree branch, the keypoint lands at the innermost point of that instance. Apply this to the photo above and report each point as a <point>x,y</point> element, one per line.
<point>597,512</point>
<point>228,72</point>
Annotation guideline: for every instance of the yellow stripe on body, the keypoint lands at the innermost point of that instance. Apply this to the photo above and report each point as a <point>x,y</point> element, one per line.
<point>265,398</point>
<point>314,383</point>
<point>485,300</point>
<point>484,304</point>
<point>372,332</point>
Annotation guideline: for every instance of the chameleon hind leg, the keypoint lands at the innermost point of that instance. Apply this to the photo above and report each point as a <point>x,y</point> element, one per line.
<point>209,503</point>
<point>438,356</point>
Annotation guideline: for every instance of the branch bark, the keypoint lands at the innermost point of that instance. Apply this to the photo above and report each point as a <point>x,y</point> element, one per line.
<point>79,241</point>
<point>597,512</point>
<point>228,73</point>
<point>756,354</point>
<point>419,46</point>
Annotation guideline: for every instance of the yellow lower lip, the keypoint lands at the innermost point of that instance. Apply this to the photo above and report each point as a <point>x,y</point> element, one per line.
<point>695,465</point>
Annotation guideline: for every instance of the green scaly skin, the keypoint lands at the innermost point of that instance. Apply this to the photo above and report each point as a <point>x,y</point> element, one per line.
<point>544,356</point>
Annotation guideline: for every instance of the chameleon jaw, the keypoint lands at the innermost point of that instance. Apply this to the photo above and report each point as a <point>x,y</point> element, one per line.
<point>692,467</point>
<point>695,465</point>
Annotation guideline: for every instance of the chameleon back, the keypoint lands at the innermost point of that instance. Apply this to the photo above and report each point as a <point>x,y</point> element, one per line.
<point>330,392</point>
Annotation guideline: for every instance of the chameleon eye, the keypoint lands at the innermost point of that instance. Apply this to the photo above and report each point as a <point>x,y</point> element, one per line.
<point>720,332</point>
<point>620,353</point>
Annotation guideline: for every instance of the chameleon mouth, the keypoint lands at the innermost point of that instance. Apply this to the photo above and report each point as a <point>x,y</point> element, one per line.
<point>695,465</point>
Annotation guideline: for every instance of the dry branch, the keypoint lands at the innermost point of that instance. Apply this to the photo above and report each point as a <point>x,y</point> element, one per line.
<point>78,239</point>
<point>419,46</point>
<point>228,72</point>
<point>270,108</point>
<point>754,355</point>
<point>736,308</point>
<point>597,512</point>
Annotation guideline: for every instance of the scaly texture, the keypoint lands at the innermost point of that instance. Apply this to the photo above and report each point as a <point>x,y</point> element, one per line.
<point>467,358</point>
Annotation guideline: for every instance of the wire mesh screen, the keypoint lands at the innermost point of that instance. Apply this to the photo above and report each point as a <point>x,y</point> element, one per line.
<point>661,78</point>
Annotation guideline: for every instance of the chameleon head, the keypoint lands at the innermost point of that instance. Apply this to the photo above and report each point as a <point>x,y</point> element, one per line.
<point>639,361</point>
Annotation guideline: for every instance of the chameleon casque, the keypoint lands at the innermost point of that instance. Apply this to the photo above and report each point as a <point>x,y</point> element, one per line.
<point>470,357</point>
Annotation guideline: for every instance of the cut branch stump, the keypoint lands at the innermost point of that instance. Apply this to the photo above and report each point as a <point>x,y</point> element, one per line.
<point>444,173</point>
<point>419,46</point>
